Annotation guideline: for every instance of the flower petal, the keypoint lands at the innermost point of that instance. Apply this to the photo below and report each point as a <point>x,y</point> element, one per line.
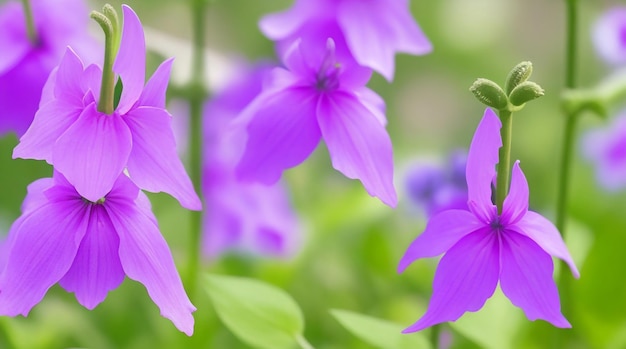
<point>481,164</point>
<point>526,279</point>
<point>373,102</point>
<point>13,37</point>
<point>545,234</point>
<point>93,152</point>
<point>146,258</point>
<point>154,93</point>
<point>358,144</point>
<point>280,25</point>
<point>466,277</point>
<point>96,269</point>
<point>130,63</point>
<point>50,122</point>
<point>282,132</point>
<point>516,202</point>
<point>376,31</point>
<point>45,243</point>
<point>68,77</point>
<point>153,163</point>
<point>442,232</point>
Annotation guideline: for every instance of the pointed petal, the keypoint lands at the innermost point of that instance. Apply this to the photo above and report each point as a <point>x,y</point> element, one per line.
<point>442,232</point>
<point>154,93</point>
<point>93,152</point>
<point>481,164</point>
<point>42,251</point>
<point>153,163</point>
<point>526,279</point>
<point>373,102</point>
<point>358,144</point>
<point>466,277</point>
<point>96,269</point>
<point>146,258</point>
<point>67,85</point>
<point>545,234</point>
<point>92,76</point>
<point>50,122</point>
<point>516,202</point>
<point>35,197</point>
<point>130,63</point>
<point>282,132</point>
<point>376,32</point>
<point>13,37</point>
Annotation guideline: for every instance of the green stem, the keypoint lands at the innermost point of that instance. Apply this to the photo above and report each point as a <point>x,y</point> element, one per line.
<point>106,103</point>
<point>30,23</point>
<point>434,336</point>
<point>504,163</point>
<point>196,96</point>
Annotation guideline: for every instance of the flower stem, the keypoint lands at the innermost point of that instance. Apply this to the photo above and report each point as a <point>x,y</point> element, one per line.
<point>106,104</point>
<point>30,23</point>
<point>196,96</point>
<point>504,163</point>
<point>434,336</point>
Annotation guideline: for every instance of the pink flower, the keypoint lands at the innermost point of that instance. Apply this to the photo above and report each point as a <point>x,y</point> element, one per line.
<point>90,148</point>
<point>88,248</point>
<point>483,247</point>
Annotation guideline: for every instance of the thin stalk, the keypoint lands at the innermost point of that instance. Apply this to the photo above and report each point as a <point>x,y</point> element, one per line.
<point>434,336</point>
<point>30,23</point>
<point>504,163</point>
<point>106,104</point>
<point>196,96</point>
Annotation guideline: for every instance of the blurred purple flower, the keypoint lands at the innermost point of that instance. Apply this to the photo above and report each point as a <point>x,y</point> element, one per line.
<point>605,148</point>
<point>482,246</point>
<point>321,95</point>
<point>250,217</point>
<point>609,35</point>
<point>374,29</point>
<point>435,188</point>
<point>24,66</point>
<point>88,247</point>
<point>91,148</point>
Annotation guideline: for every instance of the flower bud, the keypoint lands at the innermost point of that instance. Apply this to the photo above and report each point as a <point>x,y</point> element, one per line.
<point>518,75</point>
<point>524,92</point>
<point>489,93</point>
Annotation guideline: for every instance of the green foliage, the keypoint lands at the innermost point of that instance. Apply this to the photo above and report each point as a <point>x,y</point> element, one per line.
<point>379,333</point>
<point>259,314</point>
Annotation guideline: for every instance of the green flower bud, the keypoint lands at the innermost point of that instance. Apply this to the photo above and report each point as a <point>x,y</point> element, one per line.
<point>517,75</point>
<point>489,93</point>
<point>524,92</point>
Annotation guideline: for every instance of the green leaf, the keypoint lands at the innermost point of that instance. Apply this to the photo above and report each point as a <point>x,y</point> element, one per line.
<point>259,314</point>
<point>379,333</point>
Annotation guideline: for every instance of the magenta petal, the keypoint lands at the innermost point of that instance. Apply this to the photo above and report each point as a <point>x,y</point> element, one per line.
<point>545,234</point>
<point>466,277</point>
<point>358,144</point>
<point>481,164</point>
<point>153,163</point>
<point>12,36</point>
<point>50,122</point>
<point>93,152</point>
<point>154,93</point>
<point>35,197</point>
<point>280,25</point>
<point>373,102</point>
<point>282,132</point>
<point>377,31</point>
<point>146,258</point>
<point>68,76</point>
<point>96,269</point>
<point>516,202</point>
<point>130,63</point>
<point>526,279</point>
<point>43,248</point>
<point>442,231</point>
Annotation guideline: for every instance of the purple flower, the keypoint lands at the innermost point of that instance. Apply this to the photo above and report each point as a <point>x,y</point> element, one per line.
<point>90,148</point>
<point>435,188</point>
<point>24,66</point>
<point>88,247</point>
<point>483,247</point>
<point>246,216</point>
<point>321,95</point>
<point>374,29</point>
<point>609,35</point>
<point>606,149</point>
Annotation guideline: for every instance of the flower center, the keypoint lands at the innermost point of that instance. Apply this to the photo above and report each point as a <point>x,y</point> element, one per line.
<point>327,77</point>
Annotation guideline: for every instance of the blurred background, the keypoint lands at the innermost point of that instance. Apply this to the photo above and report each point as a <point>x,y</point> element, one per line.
<point>351,243</point>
